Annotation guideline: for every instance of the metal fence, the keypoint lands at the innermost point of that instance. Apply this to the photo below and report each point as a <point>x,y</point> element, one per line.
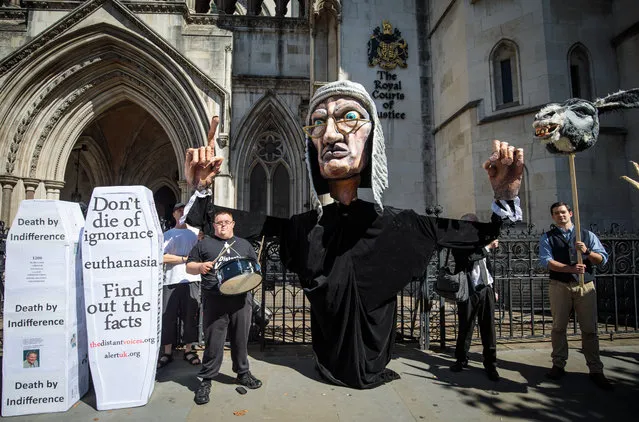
<point>522,308</point>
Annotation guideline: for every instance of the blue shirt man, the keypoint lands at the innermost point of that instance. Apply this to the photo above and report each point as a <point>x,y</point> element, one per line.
<point>558,253</point>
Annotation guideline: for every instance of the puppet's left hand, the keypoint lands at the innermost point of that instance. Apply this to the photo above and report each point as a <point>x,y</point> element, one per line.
<point>505,168</point>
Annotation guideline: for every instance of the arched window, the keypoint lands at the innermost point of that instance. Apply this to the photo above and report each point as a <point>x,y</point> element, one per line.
<point>579,62</point>
<point>505,74</point>
<point>281,195</point>
<point>269,178</point>
<point>258,201</point>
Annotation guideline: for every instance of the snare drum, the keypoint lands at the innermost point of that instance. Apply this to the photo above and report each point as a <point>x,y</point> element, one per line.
<point>238,276</point>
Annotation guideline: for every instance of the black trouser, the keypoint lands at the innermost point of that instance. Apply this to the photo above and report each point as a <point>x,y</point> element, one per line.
<point>222,312</point>
<point>480,305</point>
<point>180,301</point>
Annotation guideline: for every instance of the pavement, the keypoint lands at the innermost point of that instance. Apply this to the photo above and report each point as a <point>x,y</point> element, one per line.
<point>427,390</point>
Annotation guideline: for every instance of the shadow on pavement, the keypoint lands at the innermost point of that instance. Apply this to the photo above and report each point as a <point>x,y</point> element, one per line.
<point>534,398</point>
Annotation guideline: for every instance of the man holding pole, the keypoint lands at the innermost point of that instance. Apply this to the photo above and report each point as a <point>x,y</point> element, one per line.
<point>558,251</point>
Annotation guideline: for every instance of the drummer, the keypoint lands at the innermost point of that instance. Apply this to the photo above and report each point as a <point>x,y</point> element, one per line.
<point>219,311</point>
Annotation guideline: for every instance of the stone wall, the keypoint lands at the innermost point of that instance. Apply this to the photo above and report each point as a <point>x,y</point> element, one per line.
<point>404,137</point>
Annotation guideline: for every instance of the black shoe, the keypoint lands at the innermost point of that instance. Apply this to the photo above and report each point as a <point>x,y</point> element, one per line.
<point>248,380</point>
<point>602,382</point>
<point>555,373</point>
<point>203,392</point>
<point>459,365</point>
<point>492,373</point>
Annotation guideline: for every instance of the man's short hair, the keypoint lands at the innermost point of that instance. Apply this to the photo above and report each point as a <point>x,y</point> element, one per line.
<point>559,204</point>
<point>223,212</point>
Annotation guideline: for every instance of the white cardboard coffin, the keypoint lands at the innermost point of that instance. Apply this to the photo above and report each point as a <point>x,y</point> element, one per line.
<point>122,264</point>
<point>44,365</point>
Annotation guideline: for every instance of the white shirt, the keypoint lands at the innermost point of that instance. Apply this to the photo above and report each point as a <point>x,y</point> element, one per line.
<point>480,274</point>
<point>178,242</point>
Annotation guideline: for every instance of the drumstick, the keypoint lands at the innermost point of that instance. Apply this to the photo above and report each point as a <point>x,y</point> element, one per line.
<point>259,253</point>
<point>223,251</point>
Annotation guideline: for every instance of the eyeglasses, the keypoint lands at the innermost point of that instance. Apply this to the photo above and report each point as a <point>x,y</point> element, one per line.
<point>223,223</point>
<point>343,126</point>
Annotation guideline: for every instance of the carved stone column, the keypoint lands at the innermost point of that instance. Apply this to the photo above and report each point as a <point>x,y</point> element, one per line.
<point>281,7</point>
<point>254,7</point>
<point>8,183</point>
<point>9,3</point>
<point>226,6</point>
<point>53,188</point>
<point>185,191</point>
<point>30,186</point>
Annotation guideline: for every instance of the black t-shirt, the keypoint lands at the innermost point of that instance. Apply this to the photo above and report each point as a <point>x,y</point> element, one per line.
<point>210,247</point>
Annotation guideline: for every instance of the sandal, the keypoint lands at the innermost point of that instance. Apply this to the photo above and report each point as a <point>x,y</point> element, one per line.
<point>164,360</point>
<point>192,358</point>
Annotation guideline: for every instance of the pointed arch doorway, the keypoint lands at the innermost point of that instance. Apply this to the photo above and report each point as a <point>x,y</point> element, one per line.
<point>125,145</point>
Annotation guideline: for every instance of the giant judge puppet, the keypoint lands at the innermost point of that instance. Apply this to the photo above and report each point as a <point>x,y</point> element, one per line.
<point>354,256</point>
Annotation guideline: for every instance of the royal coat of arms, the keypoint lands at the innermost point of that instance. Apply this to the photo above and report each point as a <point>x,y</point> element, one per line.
<point>387,48</point>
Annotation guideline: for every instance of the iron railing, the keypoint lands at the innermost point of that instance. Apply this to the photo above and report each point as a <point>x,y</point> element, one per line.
<point>522,309</point>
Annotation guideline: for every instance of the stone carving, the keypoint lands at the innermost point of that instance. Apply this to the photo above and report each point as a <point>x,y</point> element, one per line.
<point>172,103</point>
<point>37,106</point>
<point>269,147</point>
<point>223,141</point>
<point>87,8</point>
<point>332,6</point>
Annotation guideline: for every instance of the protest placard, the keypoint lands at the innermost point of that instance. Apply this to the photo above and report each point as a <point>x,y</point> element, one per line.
<point>44,364</point>
<point>122,264</point>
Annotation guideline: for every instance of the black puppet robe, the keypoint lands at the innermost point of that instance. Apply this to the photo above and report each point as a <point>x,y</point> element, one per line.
<point>352,263</point>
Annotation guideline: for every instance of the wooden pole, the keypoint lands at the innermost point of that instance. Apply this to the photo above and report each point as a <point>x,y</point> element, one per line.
<point>575,208</point>
<point>259,254</point>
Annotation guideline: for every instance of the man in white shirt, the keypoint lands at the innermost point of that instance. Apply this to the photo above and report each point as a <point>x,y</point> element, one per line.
<point>479,306</point>
<point>181,292</point>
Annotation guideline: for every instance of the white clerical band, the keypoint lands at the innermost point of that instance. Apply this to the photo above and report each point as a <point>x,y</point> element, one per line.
<point>504,210</point>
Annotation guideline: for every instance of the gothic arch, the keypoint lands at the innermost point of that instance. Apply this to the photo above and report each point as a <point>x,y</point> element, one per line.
<point>48,98</point>
<point>94,162</point>
<point>270,115</point>
<point>164,182</point>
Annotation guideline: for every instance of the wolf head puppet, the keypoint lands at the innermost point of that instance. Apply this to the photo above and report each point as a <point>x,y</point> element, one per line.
<point>573,126</point>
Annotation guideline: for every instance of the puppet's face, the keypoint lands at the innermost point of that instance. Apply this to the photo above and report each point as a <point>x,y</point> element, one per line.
<point>341,131</point>
<point>569,127</point>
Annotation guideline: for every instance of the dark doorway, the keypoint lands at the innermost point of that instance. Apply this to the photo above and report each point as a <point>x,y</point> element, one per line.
<point>164,202</point>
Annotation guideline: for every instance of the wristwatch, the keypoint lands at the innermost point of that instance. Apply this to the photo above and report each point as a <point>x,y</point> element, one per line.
<point>587,252</point>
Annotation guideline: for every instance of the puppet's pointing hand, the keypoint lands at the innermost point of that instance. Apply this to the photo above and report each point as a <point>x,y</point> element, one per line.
<point>634,183</point>
<point>201,165</point>
<point>505,168</point>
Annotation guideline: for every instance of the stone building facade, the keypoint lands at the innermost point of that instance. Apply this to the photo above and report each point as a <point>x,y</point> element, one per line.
<point>109,92</point>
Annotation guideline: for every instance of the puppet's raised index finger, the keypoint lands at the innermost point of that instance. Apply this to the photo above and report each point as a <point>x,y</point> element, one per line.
<point>494,156</point>
<point>215,120</point>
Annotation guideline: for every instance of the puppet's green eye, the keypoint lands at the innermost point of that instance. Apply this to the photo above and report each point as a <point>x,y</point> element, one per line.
<point>318,122</point>
<point>351,115</point>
